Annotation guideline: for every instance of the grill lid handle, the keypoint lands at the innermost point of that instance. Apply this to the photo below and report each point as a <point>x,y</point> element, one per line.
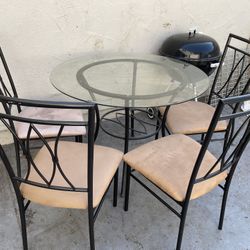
<point>214,65</point>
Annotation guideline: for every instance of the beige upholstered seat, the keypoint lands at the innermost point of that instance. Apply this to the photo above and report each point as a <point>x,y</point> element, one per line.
<point>72,158</point>
<point>191,118</point>
<point>53,114</point>
<point>168,162</point>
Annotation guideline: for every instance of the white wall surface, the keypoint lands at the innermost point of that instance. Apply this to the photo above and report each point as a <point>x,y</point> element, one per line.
<point>37,35</point>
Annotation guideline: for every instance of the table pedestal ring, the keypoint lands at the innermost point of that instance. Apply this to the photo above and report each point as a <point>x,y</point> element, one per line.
<point>139,127</point>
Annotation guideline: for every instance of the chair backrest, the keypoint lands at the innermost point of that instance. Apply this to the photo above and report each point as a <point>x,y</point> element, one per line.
<point>236,138</point>
<point>7,85</point>
<point>34,125</point>
<point>4,86</point>
<point>232,77</point>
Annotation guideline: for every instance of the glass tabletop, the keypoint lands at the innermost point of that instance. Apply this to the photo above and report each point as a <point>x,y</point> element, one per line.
<point>129,80</point>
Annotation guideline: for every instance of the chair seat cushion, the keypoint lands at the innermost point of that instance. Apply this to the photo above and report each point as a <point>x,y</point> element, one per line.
<point>168,162</point>
<point>191,118</point>
<point>50,114</point>
<point>73,161</point>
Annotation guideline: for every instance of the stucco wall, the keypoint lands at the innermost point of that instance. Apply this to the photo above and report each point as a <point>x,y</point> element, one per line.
<point>37,35</point>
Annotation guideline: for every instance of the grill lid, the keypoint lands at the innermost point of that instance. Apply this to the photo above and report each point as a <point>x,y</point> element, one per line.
<point>191,47</point>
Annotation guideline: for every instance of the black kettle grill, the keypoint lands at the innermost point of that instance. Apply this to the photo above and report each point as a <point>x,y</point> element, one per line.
<point>198,49</point>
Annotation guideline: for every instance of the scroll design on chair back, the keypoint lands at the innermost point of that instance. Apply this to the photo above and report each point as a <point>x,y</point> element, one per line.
<point>4,89</point>
<point>8,89</point>
<point>236,138</point>
<point>45,180</point>
<point>199,169</point>
<point>232,77</point>
<point>60,174</point>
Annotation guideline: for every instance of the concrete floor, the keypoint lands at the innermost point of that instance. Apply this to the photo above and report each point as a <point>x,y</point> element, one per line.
<point>147,224</point>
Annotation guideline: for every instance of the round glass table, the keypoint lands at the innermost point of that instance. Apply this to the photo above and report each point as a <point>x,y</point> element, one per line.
<point>129,82</point>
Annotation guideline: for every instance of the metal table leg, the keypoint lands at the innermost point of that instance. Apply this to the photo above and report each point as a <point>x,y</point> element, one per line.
<point>132,123</point>
<point>126,138</point>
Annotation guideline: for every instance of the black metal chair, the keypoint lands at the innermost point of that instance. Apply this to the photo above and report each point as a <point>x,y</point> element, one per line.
<point>184,170</point>
<point>7,88</point>
<point>64,174</point>
<point>231,79</point>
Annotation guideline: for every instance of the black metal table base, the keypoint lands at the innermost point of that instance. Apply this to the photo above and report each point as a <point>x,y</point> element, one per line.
<point>126,118</point>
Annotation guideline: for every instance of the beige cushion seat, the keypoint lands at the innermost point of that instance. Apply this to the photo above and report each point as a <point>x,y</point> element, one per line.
<point>168,162</point>
<point>73,161</point>
<point>191,118</point>
<point>50,114</point>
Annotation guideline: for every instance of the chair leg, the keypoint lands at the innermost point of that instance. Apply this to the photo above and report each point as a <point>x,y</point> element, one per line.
<point>115,188</point>
<point>123,178</point>
<point>157,125</point>
<point>223,205</point>
<point>181,227</point>
<point>18,160</point>
<point>164,127</point>
<point>127,188</point>
<point>91,229</point>
<point>97,122</point>
<point>23,223</point>
<point>163,130</point>
<point>156,128</point>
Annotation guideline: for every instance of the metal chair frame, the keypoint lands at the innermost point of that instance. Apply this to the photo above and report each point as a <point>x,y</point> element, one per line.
<point>228,160</point>
<point>13,93</point>
<point>240,63</point>
<point>16,179</point>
